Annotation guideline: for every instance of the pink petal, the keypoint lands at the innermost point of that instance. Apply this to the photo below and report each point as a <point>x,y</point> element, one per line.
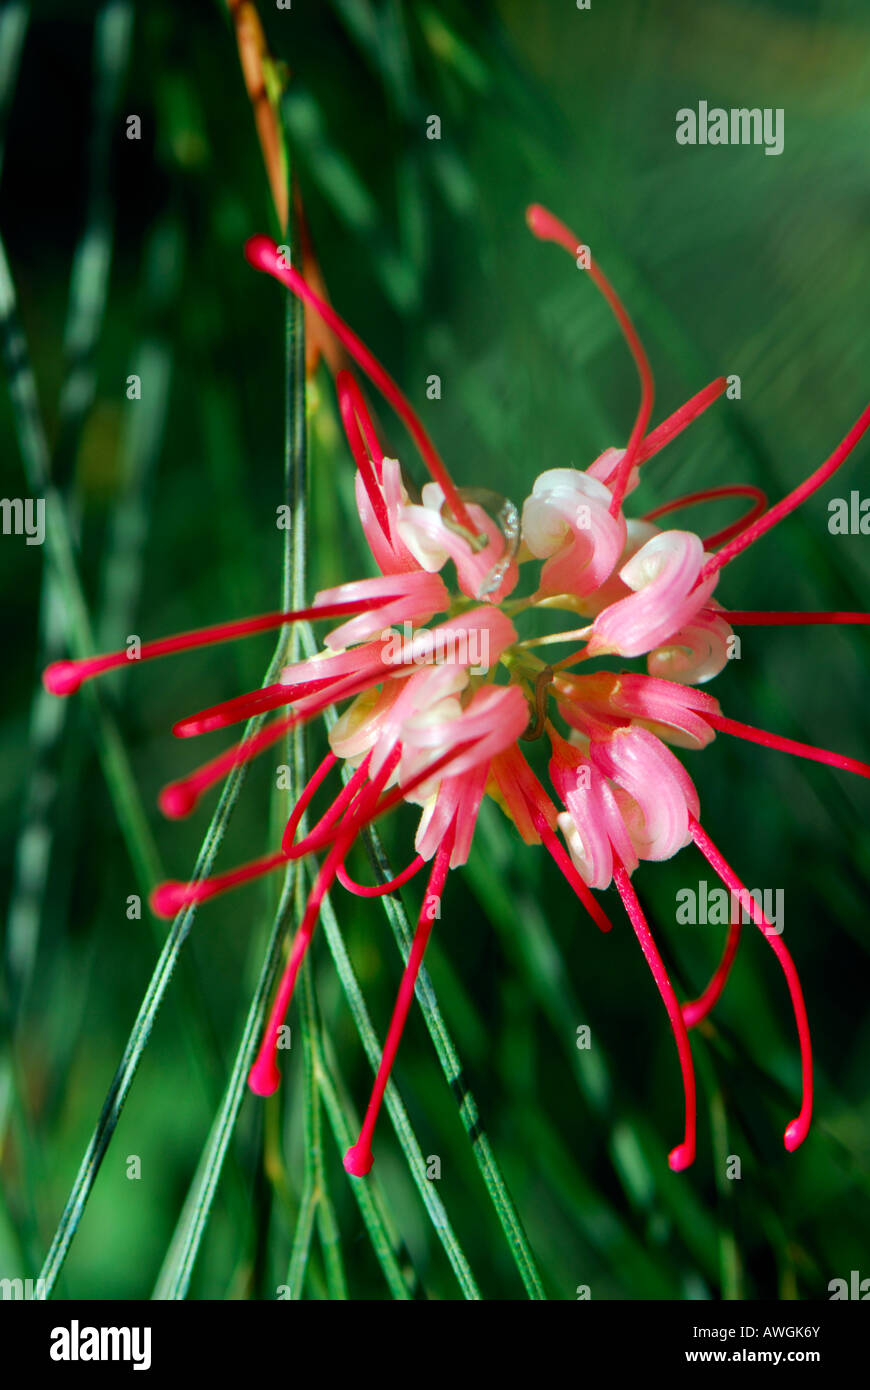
<point>664,576</point>
<point>567,519</point>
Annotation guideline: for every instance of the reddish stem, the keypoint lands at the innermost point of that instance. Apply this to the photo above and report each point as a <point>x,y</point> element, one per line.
<point>563,860</point>
<point>264,1076</point>
<point>242,707</point>
<point>745,617</point>
<point>168,899</point>
<point>544,225</point>
<point>711,494</point>
<point>379,890</point>
<point>696,1009</point>
<point>684,1154</point>
<point>65,677</point>
<point>263,254</point>
<point>543,812</point>
<point>676,423</point>
<point>358,1159</point>
<point>362,420</point>
<point>796,1131</point>
<point>786,745</point>
<point>793,499</point>
<point>314,838</point>
<point>363,442</point>
<point>179,799</point>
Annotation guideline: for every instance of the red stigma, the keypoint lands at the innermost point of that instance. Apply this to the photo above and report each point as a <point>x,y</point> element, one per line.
<point>63,677</point>
<point>169,898</point>
<point>177,801</point>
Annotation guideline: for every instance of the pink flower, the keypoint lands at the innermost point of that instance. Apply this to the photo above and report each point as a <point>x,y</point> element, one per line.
<point>593,825</point>
<point>696,653</point>
<point>664,575</point>
<point>434,715</point>
<point>568,519</point>
<point>485,567</point>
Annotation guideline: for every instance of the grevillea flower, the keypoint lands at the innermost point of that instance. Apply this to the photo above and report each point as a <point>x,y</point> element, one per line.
<point>438,691</point>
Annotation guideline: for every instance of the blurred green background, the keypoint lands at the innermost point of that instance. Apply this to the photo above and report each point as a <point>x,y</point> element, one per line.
<point>126,258</point>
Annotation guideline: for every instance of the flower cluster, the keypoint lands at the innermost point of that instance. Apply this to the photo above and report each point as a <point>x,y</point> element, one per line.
<point>440,721</point>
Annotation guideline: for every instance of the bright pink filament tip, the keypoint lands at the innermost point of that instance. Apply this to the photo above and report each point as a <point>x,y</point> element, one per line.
<point>168,899</point>
<point>684,1154</point>
<point>358,1159</point>
<point>65,677</point>
<point>796,1130</point>
<point>179,799</point>
<point>264,1076</point>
